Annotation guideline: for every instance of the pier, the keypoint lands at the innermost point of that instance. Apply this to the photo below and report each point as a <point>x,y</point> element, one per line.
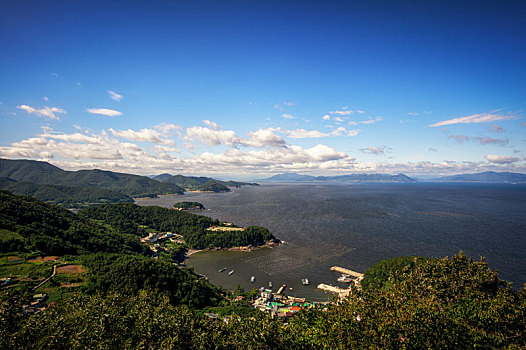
<point>342,293</point>
<point>357,275</point>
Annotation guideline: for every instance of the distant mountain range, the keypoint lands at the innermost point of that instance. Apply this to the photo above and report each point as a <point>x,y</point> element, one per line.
<point>200,183</point>
<point>488,176</point>
<point>293,177</point>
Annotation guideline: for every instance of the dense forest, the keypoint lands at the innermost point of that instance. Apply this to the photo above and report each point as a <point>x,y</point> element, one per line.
<point>29,225</point>
<point>66,196</point>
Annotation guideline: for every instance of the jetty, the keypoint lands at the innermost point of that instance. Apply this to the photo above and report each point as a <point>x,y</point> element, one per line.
<point>342,293</point>
<point>357,275</point>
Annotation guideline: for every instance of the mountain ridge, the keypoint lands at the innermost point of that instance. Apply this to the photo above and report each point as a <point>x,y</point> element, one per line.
<point>294,177</point>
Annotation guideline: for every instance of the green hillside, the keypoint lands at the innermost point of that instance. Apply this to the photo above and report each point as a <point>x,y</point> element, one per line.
<point>200,183</point>
<point>45,173</point>
<point>29,225</point>
<point>68,197</point>
<point>132,219</point>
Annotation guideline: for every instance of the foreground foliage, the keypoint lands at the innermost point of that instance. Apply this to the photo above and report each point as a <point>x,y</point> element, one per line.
<point>440,303</point>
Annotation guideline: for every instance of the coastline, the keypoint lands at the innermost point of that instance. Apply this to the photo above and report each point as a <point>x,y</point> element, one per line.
<point>246,248</point>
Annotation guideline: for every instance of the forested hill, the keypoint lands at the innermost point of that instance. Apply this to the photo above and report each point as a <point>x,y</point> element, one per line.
<point>66,196</point>
<point>44,173</point>
<point>200,183</point>
<point>108,260</point>
<point>29,225</point>
<point>132,219</point>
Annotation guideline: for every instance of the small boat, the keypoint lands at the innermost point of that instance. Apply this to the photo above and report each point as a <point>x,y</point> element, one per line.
<point>231,272</point>
<point>270,284</point>
<point>252,279</point>
<point>291,288</point>
<point>305,281</point>
<point>223,269</point>
<point>344,279</point>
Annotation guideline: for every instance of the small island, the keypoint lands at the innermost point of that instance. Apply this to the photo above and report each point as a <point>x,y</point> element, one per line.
<point>188,206</point>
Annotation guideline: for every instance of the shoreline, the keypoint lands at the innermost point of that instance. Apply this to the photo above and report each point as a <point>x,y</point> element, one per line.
<point>245,248</point>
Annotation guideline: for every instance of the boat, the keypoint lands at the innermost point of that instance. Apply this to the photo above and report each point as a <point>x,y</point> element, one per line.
<point>252,279</point>
<point>291,288</point>
<point>223,269</point>
<point>231,272</point>
<point>305,281</point>
<point>270,284</point>
<point>344,279</point>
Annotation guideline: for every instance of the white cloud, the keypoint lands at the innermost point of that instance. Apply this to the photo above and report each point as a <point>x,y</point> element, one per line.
<point>372,120</point>
<point>375,150</point>
<point>288,116</point>
<point>338,119</point>
<point>339,131</point>
<point>360,111</point>
<point>474,118</point>
<point>167,128</point>
<point>491,140</point>
<point>212,125</point>
<point>326,117</point>
<point>303,134</point>
<point>263,138</point>
<point>481,140</point>
<point>342,112</point>
<point>144,135</point>
<point>354,132</point>
<point>43,112</point>
<point>493,158</point>
<point>45,98</point>
<point>115,96</point>
<point>212,136</point>
<point>104,111</point>
<point>459,138</point>
<point>288,104</point>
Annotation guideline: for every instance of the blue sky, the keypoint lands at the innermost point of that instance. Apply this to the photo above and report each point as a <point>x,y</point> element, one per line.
<point>249,88</point>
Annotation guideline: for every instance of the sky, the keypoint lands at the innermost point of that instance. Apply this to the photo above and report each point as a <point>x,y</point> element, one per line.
<point>248,89</point>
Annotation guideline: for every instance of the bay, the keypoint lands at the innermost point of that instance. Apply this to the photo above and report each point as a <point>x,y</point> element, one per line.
<point>356,225</point>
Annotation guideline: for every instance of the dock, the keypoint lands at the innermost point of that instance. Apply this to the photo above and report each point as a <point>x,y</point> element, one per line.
<point>357,275</point>
<point>281,289</point>
<point>337,290</point>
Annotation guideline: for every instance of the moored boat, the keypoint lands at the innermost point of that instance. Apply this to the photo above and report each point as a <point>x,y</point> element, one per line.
<point>252,279</point>
<point>344,279</point>
<point>231,272</point>
<point>305,281</point>
<point>223,269</point>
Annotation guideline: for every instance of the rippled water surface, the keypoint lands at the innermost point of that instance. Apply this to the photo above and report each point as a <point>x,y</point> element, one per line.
<point>356,225</point>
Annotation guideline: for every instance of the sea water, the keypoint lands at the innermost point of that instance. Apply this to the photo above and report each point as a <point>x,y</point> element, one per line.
<point>356,225</point>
